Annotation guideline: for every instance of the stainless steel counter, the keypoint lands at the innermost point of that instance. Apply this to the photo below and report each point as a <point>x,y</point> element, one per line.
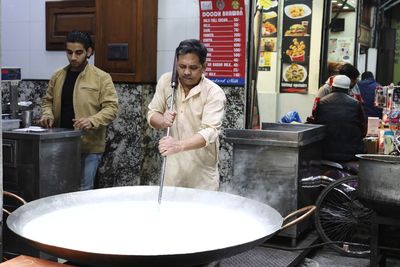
<point>268,164</point>
<point>53,133</point>
<point>39,164</point>
<point>36,165</point>
<point>278,134</point>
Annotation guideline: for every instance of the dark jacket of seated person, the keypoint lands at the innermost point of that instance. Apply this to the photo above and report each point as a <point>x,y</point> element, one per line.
<point>367,87</point>
<point>345,124</point>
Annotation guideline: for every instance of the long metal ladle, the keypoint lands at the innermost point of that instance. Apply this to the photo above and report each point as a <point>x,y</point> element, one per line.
<point>174,84</point>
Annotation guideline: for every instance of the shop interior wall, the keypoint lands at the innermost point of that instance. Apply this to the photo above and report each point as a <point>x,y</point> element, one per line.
<point>349,33</point>
<point>23,45</point>
<point>272,104</point>
<point>23,35</point>
<point>130,157</point>
<point>367,61</point>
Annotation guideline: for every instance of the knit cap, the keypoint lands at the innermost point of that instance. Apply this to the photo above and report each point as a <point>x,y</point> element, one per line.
<point>341,81</point>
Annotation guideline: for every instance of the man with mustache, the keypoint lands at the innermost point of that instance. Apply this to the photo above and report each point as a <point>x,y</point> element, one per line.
<point>195,121</point>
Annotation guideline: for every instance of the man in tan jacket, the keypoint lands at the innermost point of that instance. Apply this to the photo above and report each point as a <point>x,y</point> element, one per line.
<point>81,96</point>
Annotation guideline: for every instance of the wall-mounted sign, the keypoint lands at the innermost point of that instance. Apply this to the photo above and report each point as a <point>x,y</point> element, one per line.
<point>341,49</point>
<point>223,32</point>
<point>296,46</point>
<point>269,35</point>
<point>10,74</point>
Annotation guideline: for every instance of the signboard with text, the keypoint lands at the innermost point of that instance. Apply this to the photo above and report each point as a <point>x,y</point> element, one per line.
<point>223,32</point>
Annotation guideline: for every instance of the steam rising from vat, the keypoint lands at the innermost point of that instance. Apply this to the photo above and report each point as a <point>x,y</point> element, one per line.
<point>251,180</point>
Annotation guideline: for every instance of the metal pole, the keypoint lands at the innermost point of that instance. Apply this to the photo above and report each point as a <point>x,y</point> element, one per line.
<point>325,41</point>
<point>174,83</point>
<point>254,61</point>
<point>250,65</point>
<point>391,5</point>
<point>386,3</point>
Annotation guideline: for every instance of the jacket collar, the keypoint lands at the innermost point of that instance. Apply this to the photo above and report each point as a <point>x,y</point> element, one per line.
<point>83,72</point>
<point>340,90</point>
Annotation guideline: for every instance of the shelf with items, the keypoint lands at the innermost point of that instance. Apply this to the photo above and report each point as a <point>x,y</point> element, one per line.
<point>388,98</point>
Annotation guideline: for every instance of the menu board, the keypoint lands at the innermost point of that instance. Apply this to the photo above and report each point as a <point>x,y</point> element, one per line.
<point>269,34</point>
<point>223,32</point>
<point>296,46</point>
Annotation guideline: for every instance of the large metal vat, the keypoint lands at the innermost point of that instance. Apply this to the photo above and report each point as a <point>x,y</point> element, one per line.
<point>125,226</point>
<point>269,163</point>
<point>379,182</point>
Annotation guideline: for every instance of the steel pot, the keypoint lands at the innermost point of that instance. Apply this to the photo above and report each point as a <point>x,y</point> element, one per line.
<point>125,226</point>
<point>379,182</point>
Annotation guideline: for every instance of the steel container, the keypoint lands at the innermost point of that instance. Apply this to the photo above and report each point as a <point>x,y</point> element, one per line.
<point>125,226</point>
<point>379,182</point>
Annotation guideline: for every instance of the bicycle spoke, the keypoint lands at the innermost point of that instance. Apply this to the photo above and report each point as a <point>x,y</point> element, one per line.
<point>341,217</point>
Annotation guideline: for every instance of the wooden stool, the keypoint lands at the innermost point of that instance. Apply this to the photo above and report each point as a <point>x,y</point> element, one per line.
<point>27,261</point>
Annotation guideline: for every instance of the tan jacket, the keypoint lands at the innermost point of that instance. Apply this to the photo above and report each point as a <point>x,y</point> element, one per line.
<point>201,111</point>
<point>94,98</point>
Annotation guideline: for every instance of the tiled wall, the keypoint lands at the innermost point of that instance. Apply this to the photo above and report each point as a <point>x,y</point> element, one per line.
<point>131,156</point>
<point>23,39</point>
<point>23,35</point>
<point>177,20</point>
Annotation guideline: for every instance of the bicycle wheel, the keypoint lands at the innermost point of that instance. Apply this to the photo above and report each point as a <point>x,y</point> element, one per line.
<point>340,217</point>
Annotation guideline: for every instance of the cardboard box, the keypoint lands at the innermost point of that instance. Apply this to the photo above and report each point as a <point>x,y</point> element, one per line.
<point>373,126</point>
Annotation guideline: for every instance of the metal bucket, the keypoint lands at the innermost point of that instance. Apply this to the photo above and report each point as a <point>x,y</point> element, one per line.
<point>379,182</point>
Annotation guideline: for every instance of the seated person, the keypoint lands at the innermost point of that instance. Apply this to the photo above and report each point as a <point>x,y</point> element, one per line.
<point>345,122</point>
<point>348,70</point>
<point>367,87</point>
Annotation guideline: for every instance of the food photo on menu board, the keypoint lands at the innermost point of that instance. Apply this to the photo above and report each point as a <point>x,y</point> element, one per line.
<point>269,22</point>
<point>268,45</point>
<point>295,49</point>
<point>294,78</point>
<point>296,30</point>
<point>297,19</point>
<point>294,73</point>
<point>296,46</point>
<point>267,4</point>
<point>297,11</point>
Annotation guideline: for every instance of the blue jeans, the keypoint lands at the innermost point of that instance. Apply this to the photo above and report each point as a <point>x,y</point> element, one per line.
<point>89,164</point>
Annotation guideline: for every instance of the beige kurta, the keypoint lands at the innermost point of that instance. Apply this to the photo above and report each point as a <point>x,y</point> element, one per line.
<point>201,111</point>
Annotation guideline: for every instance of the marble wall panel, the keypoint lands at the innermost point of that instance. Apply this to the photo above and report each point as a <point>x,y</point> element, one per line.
<point>131,156</point>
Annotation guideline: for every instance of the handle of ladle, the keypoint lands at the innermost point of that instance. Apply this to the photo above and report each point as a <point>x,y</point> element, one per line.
<point>174,83</point>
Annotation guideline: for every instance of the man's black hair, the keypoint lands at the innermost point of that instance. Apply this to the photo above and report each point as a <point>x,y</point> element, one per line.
<point>192,46</point>
<point>367,75</point>
<point>349,70</point>
<point>79,37</point>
